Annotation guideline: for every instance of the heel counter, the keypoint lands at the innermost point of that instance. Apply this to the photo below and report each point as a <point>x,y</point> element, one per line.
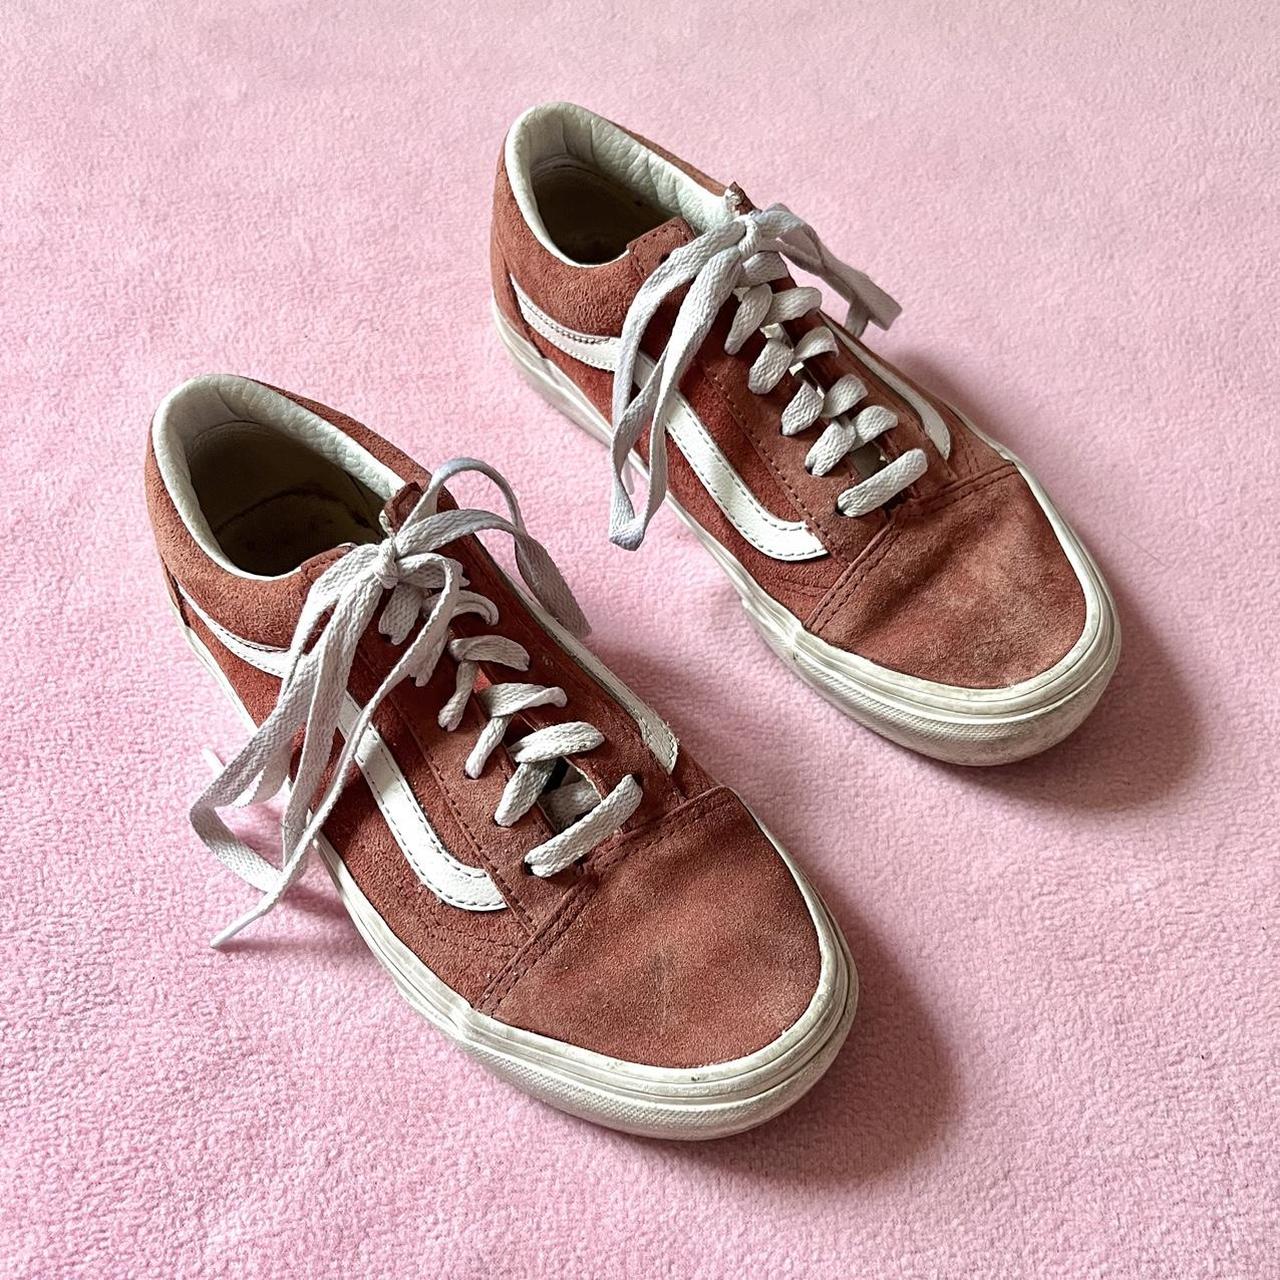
<point>505,209</point>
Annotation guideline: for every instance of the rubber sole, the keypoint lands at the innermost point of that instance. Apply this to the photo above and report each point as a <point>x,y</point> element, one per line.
<point>945,722</point>
<point>690,1104</point>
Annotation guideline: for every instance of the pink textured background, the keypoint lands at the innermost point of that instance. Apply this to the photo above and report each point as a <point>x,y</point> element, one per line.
<point>1066,1062</point>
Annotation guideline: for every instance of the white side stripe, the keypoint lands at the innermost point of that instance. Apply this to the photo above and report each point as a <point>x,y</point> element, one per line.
<point>769,533</point>
<point>930,418</point>
<point>600,352</point>
<point>470,888</point>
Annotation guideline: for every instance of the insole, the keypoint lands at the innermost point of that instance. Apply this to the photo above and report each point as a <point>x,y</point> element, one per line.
<point>277,534</point>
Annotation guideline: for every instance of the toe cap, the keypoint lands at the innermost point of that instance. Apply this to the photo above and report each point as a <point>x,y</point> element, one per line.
<point>691,944</point>
<point>971,588</point>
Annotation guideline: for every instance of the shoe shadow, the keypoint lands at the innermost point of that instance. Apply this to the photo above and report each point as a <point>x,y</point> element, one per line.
<point>1107,764</point>
<point>339,943</point>
<point>1112,762</point>
<point>891,1091</point>
<point>887,1097</point>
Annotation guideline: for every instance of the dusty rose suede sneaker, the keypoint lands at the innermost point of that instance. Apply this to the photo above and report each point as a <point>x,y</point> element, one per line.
<point>548,878</point>
<point>901,562</point>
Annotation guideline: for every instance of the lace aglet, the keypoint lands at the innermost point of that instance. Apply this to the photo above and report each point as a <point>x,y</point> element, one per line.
<point>213,761</point>
<point>252,916</point>
<point>219,939</point>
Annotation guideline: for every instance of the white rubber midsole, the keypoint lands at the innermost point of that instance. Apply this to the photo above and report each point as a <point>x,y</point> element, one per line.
<point>703,1102</point>
<point>968,726</point>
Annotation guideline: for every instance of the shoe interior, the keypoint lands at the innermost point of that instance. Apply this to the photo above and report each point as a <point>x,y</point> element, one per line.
<point>263,483</point>
<point>590,217</point>
<point>271,502</point>
<point>588,188</point>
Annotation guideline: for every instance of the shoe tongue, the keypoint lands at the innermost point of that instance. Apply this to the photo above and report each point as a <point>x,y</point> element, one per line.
<point>649,249</point>
<point>395,512</point>
<point>397,508</point>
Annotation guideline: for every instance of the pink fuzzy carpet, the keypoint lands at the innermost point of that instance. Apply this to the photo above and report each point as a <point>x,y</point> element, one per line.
<point>1066,1062</point>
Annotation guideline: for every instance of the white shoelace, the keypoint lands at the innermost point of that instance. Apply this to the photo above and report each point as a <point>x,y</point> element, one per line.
<point>747,254</point>
<point>422,584</point>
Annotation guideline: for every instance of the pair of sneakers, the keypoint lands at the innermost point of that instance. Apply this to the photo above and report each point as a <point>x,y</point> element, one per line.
<point>548,877</point>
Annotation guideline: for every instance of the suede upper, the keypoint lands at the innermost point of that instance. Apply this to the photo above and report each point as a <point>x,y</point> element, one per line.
<point>960,580</point>
<point>587,955</point>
